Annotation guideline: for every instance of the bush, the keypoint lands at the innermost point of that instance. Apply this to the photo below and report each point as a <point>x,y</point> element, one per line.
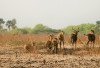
<point>43,29</point>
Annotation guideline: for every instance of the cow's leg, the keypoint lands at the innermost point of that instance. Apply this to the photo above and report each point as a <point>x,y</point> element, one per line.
<point>72,45</point>
<point>56,48</point>
<point>75,45</point>
<point>63,44</point>
<point>88,43</point>
<point>60,44</point>
<point>93,43</point>
<point>71,42</point>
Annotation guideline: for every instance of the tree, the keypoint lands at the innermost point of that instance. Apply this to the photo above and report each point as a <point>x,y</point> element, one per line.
<point>97,22</point>
<point>9,24</point>
<point>83,28</point>
<point>40,28</point>
<point>13,24</point>
<point>97,27</point>
<point>1,22</point>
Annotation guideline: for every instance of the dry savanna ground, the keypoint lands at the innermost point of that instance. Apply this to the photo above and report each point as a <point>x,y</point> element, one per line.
<point>13,55</point>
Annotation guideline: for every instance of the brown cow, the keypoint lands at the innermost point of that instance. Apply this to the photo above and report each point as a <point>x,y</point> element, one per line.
<point>29,47</point>
<point>55,45</point>
<point>49,43</point>
<point>61,38</point>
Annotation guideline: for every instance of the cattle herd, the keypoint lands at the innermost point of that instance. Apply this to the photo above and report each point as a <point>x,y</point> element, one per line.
<point>53,42</point>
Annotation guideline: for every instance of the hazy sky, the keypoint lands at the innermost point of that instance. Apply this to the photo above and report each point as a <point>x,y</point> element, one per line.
<point>53,13</point>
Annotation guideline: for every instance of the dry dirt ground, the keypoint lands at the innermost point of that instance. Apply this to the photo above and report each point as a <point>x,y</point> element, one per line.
<point>12,54</point>
<point>15,57</point>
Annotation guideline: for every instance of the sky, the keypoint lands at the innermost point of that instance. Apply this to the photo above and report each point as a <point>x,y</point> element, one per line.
<point>56,14</point>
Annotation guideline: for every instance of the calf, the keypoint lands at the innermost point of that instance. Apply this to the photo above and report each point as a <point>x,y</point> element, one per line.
<point>55,45</point>
<point>49,43</point>
<point>29,47</point>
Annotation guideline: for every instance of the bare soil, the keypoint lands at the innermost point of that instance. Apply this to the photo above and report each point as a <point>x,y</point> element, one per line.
<point>15,57</point>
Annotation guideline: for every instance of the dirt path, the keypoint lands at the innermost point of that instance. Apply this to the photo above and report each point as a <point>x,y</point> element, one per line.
<point>14,57</point>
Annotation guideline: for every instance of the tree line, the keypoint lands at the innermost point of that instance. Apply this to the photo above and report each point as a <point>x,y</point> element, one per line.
<point>42,29</point>
<point>9,23</point>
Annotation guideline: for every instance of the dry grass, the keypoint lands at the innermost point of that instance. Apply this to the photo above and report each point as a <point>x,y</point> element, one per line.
<point>40,40</point>
<point>12,51</point>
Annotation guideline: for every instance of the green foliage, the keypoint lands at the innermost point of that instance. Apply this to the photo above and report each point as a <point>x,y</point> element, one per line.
<point>43,29</point>
<point>83,28</point>
<point>68,30</point>
<point>8,24</point>
<point>20,31</point>
<point>1,22</point>
<point>15,31</point>
<point>28,30</point>
<point>11,23</point>
<point>98,22</point>
<point>3,31</point>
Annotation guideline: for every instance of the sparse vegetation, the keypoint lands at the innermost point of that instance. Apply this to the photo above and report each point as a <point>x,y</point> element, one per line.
<point>42,29</point>
<point>12,47</point>
<point>15,41</point>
